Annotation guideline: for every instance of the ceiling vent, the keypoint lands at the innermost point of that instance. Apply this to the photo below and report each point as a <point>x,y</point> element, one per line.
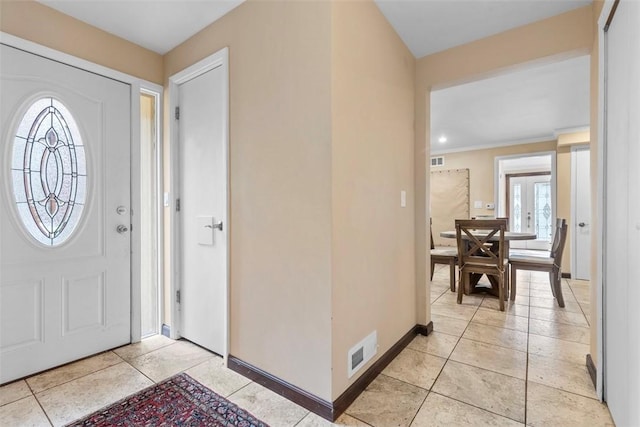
<point>437,161</point>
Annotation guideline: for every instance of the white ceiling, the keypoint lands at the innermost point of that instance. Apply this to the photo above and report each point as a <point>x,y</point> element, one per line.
<point>156,25</point>
<point>530,105</point>
<point>429,26</point>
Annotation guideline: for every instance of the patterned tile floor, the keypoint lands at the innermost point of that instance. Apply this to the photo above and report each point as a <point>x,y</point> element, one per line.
<point>479,367</point>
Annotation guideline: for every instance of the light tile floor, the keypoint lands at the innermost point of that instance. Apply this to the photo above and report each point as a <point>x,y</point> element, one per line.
<point>479,367</point>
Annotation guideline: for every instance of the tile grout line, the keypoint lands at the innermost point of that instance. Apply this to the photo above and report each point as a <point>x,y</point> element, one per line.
<point>43,411</point>
<point>141,373</point>
<point>497,345</point>
<point>68,364</point>
<point>454,347</point>
<point>579,305</point>
<point>430,390</point>
<point>474,406</point>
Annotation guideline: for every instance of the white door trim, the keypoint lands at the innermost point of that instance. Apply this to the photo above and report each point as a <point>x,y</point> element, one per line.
<point>157,95</point>
<point>136,85</point>
<point>218,59</point>
<point>498,198</point>
<point>597,281</point>
<point>574,188</point>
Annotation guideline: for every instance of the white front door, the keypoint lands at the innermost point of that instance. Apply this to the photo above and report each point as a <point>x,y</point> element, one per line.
<point>530,210</point>
<point>582,213</point>
<point>64,191</point>
<point>203,209</point>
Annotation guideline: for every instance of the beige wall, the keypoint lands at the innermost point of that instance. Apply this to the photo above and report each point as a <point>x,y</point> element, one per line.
<point>574,138</point>
<point>566,35</point>
<point>280,184</point>
<point>563,199</point>
<point>321,146</point>
<point>35,22</point>
<point>372,161</point>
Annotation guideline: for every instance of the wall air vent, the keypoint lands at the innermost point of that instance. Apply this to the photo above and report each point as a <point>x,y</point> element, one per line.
<point>437,161</point>
<point>361,353</point>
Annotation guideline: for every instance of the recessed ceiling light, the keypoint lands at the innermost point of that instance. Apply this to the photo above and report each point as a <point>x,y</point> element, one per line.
<point>442,139</point>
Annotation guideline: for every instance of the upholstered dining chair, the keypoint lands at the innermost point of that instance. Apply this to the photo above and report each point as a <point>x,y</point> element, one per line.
<point>444,255</point>
<point>551,265</point>
<point>481,250</point>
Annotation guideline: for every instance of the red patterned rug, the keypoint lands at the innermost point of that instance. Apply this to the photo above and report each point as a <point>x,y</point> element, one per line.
<point>177,401</point>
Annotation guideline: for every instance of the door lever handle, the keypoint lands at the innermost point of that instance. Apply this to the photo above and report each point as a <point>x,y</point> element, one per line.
<point>217,225</point>
<point>582,224</point>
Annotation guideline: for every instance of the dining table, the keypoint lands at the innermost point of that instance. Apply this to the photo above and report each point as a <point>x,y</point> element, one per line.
<point>474,279</point>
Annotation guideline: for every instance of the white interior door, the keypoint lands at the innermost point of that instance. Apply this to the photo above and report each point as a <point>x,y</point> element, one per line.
<point>64,191</point>
<point>621,266</point>
<point>203,209</point>
<point>530,210</point>
<point>582,213</point>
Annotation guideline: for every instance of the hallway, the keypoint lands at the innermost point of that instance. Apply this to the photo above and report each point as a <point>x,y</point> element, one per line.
<point>478,367</point>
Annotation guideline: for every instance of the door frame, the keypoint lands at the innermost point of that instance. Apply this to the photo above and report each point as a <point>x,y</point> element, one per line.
<point>601,173</point>
<point>136,85</point>
<point>574,221</point>
<point>159,211</point>
<point>500,200</point>
<point>217,59</point>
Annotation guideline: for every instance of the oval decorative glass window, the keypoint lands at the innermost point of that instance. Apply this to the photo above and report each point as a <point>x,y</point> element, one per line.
<point>49,172</point>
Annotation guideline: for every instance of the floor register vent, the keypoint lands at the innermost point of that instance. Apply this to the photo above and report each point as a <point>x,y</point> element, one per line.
<point>362,352</point>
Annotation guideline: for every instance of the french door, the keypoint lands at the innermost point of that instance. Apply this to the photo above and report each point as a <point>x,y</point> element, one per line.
<point>530,209</point>
<point>64,213</point>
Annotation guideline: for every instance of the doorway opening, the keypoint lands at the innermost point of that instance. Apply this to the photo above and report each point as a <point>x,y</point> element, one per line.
<point>150,211</point>
<point>526,194</point>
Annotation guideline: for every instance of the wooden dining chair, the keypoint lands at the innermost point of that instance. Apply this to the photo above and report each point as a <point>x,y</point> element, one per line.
<point>481,250</point>
<point>444,255</point>
<point>552,264</point>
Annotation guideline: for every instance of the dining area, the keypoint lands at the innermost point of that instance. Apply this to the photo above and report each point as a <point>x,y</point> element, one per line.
<point>486,263</point>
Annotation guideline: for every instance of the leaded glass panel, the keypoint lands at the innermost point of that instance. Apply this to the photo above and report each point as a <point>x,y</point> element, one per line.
<point>517,208</point>
<point>49,171</point>
<point>543,223</point>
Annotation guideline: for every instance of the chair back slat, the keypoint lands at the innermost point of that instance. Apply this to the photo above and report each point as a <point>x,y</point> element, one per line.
<point>431,232</point>
<point>475,239</point>
<point>559,240</point>
<point>556,236</point>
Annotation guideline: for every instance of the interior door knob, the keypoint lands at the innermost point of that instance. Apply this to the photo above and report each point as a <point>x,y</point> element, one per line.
<point>122,229</point>
<point>581,224</point>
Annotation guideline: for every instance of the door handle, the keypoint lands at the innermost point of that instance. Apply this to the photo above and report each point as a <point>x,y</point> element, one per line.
<point>216,225</point>
<point>122,229</point>
<point>582,224</point>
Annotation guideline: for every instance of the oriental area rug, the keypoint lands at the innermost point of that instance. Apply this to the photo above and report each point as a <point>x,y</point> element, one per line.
<point>177,401</point>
